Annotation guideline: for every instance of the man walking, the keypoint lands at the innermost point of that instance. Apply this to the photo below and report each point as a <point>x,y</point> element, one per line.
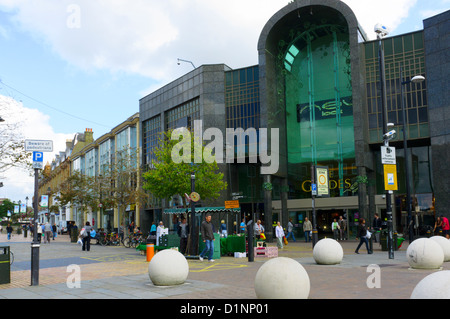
<point>48,232</point>
<point>207,232</point>
<point>307,228</point>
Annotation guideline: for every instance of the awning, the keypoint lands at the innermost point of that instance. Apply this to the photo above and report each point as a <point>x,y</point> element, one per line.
<point>211,210</point>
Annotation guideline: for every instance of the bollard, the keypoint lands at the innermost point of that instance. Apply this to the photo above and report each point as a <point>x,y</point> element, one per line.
<point>150,251</point>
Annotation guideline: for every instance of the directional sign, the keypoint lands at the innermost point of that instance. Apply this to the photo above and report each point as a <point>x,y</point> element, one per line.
<point>38,145</point>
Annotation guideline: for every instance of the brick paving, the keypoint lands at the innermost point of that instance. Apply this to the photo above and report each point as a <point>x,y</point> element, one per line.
<point>121,273</point>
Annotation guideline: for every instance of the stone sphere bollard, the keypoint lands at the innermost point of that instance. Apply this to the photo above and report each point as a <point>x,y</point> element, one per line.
<point>282,278</point>
<point>168,268</point>
<point>328,251</point>
<point>445,245</point>
<point>424,253</point>
<point>434,286</point>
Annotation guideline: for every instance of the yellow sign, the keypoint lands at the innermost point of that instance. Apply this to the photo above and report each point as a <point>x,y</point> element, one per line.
<point>195,197</point>
<point>390,177</point>
<point>231,204</point>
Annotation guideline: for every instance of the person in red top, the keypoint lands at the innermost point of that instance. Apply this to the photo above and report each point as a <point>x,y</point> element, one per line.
<point>445,227</point>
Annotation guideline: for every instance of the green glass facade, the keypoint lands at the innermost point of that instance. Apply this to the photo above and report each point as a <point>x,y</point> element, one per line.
<point>319,110</point>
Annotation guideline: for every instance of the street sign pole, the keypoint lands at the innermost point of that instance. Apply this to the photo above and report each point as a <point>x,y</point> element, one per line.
<point>35,244</point>
<point>315,235</point>
<point>37,147</point>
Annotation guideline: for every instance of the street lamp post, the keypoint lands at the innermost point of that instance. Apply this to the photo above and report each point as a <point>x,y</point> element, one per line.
<point>382,31</point>
<point>415,79</point>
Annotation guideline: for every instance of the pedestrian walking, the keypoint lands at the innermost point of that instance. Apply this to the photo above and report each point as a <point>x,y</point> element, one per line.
<point>223,229</point>
<point>85,237</point>
<point>335,228</point>
<point>362,235</point>
<point>242,226</point>
<point>290,230</point>
<point>279,234</point>
<point>307,229</point>
<point>9,231</point>
<point>1,229</point>
<point>376,227</point>
<point>47,232</point>
<point>342,228</point>
<point>183,233</point>
<point>207,231</point>
<point>55,231</point>
<point>39,232</point>
<point>259,229</point>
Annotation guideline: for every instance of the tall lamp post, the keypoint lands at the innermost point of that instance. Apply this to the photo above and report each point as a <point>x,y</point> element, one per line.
<point>415,79</point>
<point>381,32</point>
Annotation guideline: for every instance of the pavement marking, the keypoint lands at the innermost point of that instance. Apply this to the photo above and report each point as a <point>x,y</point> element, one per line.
<point>197,267</point>
<point>113,258</point>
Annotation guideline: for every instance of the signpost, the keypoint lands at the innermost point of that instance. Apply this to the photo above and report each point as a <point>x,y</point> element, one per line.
<point>229,204</point>
<point>37,147</point>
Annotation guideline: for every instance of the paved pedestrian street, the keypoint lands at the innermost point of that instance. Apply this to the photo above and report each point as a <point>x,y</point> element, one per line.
<point>122,273</point>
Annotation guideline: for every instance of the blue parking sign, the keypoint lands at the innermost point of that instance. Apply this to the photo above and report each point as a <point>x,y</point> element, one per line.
<point>38,156</point>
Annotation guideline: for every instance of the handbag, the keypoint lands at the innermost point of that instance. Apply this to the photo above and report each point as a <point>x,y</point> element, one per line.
<point>368,234</point>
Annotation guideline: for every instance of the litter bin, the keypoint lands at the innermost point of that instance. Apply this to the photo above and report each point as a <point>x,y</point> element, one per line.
<point>5,265</point>
<point>384,243</point>
<point>74,235</point>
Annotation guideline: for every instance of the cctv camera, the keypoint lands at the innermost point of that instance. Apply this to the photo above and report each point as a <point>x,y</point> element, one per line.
<point>389,134</point>
<point>381,29</point>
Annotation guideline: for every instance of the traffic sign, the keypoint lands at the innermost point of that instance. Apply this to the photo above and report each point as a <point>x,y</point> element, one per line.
<point>38,165</point>
<point>38,146</point>
<point>314,189</point>
<point>38,156</point>
<point>322,181</point>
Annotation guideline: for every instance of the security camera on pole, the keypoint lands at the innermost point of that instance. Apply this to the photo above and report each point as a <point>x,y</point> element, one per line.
<point>390,179</point>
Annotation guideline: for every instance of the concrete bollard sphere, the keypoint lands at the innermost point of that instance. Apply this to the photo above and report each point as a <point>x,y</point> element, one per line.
<point>424,253</point>
<point>282,278</point>
<point>328,251</point>
<point>434,286</point>
<point>445,245</point>
<point>168,268</point>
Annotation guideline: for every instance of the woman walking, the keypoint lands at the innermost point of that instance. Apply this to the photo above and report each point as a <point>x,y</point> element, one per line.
<point>362,235</point>
<point>279,233</point>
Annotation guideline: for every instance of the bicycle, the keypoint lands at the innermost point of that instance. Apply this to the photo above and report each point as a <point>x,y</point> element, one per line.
<point>133,240</point>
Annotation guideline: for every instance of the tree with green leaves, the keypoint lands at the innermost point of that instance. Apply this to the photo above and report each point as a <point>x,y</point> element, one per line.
<point>168,176</point>
<point>79,191</point>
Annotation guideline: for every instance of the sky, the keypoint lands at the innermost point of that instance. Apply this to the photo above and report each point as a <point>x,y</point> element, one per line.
<point>69,65</point>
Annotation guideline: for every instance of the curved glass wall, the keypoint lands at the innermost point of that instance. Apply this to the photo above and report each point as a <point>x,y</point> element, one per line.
<point>319,109</point>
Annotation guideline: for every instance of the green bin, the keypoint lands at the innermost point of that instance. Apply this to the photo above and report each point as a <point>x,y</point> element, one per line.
<point>383,240</point>
<point>5,265</point>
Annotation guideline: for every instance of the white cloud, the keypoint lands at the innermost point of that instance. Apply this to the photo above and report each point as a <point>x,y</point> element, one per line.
<point>32,125</point>
<point>146,37</point>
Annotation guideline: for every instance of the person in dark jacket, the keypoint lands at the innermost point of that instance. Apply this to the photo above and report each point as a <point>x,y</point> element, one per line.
<point>87,238</point>
<point>208,238</point>
<point>183,232</point>
<point>376,226</point>
<point>362,233</point>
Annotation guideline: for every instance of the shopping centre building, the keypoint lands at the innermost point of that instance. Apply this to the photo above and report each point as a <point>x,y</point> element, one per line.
<point>318,83</point>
